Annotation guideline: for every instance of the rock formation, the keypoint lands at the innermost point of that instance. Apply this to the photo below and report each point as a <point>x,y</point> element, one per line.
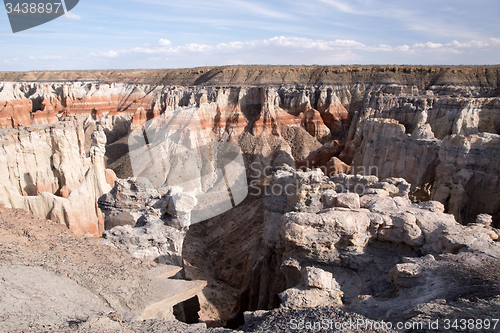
<point>45,171</point>
<point>460,170</point>
<point>365,237</point>
<point>44,159</point>
<point>15,109</point>
<point>359,240</point>
<point>146,222</point>
<point>277,118</point>
<point>313,123</point>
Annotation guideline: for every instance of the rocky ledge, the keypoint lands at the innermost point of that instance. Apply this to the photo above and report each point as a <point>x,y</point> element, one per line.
<point>358,243</point>
<point>54,281</point>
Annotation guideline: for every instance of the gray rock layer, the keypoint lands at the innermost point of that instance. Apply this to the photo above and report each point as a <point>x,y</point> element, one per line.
<point>360,242</point>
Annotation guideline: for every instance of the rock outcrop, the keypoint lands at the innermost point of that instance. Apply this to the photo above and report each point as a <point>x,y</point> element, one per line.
<point>390,152</point>
<point>468,176</point>
<point>146,222</point>
<point>14,108</point>
<point>365,235</point>
<point>46,172</point>
<point>459,171</point>
<point>421,76</point>
<point>44,159</point>
<point>372,243</point>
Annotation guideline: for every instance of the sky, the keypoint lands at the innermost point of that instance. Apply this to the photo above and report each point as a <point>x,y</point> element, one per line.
<point>128,34</point>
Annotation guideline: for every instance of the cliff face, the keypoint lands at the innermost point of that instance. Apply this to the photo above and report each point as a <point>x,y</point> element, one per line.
<point>256,75</point>
<point>45,170</point>
<point>446,146</point>
<point>426,124</point>
<point>44,159</point>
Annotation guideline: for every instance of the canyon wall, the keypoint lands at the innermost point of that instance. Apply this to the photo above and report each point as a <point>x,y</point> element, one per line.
<point>446,146</point>
<point>438,127</point>
<point>44,169</point>
<point>262,75</point>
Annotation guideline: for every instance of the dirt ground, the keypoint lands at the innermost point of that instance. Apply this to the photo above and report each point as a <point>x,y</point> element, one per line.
<point>67,274</point>
<point>54,281</point>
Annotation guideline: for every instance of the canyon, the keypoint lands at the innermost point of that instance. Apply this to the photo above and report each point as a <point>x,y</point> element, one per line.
<point>76,147</point>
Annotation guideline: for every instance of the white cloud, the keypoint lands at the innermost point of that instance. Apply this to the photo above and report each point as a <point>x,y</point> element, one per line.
<point>107,54</point>
<point>300,43</point>
<point>275,50</point>
<point>261,10</point>
<point>72,16</point>
<point>495,41</point>
<point>433,18</point>
<point>164,42</point>
<point>52,57</point>
<point>342,6</point>
<point>402,48</point>
<point>451,47</point>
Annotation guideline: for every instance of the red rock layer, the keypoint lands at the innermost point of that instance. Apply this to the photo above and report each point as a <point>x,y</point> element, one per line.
<point>347,155</point>
<point>323,159</point>
<point>15,113</point>
<point>337,119</point>
<point>18,108</point>
<point>45,116</point>
<point>314,125</point>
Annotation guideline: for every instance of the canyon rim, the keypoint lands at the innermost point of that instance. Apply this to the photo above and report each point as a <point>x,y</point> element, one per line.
<point>369,192</point>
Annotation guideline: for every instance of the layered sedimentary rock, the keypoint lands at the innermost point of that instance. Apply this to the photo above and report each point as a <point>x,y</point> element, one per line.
<point>15,109</point>
<point>467,177</point>
<point>312,122</point>
<point>478,76</point>
<point>44,159</point>
<point>389,151</point>
<point>46,171</point>
<point>460,170</point>
<point>339,118</point>
<point>336,117</point>
<point>361,240</point>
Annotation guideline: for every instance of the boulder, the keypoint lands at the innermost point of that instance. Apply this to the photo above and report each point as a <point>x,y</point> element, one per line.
<point>147,222</point>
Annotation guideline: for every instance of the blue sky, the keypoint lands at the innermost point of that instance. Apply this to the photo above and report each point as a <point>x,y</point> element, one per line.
<point>173,34</point>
